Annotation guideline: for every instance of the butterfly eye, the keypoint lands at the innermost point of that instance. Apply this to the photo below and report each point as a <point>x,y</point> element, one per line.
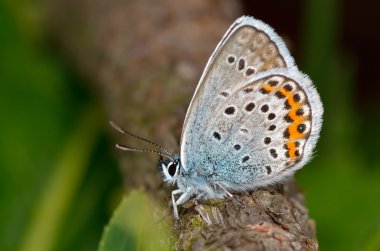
<point>172,168</point>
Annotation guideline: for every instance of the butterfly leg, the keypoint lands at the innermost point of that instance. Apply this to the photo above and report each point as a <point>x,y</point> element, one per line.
<point>175,209</point>
<point>198,198</point>
<point>231,196</point>
<point>182,199</point>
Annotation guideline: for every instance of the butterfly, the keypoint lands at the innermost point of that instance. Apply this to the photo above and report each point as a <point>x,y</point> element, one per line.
<point>254,119</point>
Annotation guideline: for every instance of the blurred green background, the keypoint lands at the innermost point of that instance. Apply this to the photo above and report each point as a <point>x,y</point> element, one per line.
<point>59,182</point>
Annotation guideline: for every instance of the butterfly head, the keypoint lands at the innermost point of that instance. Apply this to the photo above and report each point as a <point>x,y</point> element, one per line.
<point>171,170</point>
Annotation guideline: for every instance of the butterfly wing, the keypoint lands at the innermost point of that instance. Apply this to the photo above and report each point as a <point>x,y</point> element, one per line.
<point>262,132</point>
<point>248,48</point>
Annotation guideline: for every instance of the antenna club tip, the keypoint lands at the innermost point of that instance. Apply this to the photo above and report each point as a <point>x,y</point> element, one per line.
<point>111,123</point>
<point>116,127</point>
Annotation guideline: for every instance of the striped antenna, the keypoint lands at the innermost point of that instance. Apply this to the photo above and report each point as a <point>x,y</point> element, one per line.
<point>167,154</point>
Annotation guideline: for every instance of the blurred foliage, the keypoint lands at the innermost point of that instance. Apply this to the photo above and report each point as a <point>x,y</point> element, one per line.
<point>341,188</point>
<point>59,182</point>
<point>137,224</point>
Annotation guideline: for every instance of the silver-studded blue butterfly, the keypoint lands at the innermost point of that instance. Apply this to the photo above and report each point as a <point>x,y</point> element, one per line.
<point>254,118</point>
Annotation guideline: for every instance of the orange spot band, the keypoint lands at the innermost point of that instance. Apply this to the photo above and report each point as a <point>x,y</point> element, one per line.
<point>292,149</point>
<point>268,88</point>
<point>294,106</point>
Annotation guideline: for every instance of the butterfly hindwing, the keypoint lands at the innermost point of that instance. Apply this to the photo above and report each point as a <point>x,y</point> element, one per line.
<point>263,131</point>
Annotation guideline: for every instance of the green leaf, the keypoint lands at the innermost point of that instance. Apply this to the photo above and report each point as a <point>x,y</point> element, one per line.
<point>137,224</point>
<point>373,242</point>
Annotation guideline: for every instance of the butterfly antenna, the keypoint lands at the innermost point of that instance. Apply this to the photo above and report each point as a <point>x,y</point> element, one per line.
<point>126,148</point>
<point>121,130</point>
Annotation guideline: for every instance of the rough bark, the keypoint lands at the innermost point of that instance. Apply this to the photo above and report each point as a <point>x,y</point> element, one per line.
<point>144,58</point>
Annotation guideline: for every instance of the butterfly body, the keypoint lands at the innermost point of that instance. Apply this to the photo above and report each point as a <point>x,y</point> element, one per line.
<point>254,119</point>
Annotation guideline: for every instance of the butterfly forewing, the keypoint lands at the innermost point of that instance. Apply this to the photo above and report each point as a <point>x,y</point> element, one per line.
<point>248,48</point>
